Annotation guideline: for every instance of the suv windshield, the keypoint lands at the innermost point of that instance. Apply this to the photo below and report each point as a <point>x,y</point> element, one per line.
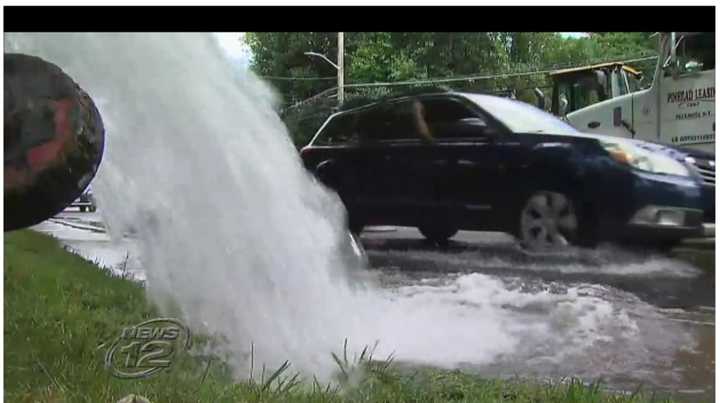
<point>521,117</point>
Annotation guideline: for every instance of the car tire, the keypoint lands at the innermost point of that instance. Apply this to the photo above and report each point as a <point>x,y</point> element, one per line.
<point>439,234</point>
<point>551,221</point>
<point>93,209</point>
<point>82,209</point>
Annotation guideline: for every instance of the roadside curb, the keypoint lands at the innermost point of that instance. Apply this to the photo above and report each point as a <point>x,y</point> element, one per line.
<point>78,226</point>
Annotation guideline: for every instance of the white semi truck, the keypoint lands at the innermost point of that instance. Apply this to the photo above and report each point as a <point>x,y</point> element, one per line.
<point>677,109</point>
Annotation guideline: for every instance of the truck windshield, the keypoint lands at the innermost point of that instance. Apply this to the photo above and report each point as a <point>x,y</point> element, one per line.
<point>697,52</point>
<point>521,117</point>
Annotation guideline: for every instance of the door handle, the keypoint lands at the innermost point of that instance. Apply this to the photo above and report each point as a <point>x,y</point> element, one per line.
<point>594,124</point>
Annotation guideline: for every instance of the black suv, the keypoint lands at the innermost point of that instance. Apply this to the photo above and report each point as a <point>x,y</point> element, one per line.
<point>449,161</point>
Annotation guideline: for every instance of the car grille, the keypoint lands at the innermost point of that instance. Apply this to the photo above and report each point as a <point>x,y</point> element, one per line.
<point>706,169</point>
<point>708,176</point>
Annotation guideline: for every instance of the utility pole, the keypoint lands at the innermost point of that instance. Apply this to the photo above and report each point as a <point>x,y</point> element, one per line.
<point>341,67</point>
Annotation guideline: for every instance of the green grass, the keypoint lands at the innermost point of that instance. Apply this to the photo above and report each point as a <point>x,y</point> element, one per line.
<point>61,309</point>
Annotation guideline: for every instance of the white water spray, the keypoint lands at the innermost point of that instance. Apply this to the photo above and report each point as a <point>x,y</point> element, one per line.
<point>239,241</point>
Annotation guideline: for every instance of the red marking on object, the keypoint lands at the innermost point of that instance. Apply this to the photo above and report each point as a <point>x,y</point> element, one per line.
<point>48,153</point>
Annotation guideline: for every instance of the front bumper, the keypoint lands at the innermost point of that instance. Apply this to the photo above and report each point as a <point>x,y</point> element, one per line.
<point>646,207</point>
<point>708,230</point>
<point>665,223</point>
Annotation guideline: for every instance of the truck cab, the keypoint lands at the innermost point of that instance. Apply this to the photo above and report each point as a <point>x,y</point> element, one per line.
<point>677,109</point>
<point>579,87</point>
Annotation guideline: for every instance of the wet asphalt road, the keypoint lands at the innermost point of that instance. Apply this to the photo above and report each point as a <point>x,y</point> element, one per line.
<point>679,288</point>
<point>683,278</point>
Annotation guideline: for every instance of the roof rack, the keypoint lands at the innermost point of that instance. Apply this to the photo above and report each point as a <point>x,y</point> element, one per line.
<point>358,102</point>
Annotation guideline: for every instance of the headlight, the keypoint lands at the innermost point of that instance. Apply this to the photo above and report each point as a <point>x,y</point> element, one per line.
<point>645,160</point>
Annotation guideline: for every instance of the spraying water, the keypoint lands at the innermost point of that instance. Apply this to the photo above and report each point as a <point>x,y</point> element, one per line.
<point>240,242</point>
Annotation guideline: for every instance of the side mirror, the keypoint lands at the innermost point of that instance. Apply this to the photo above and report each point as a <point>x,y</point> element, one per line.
<point>471,123</point>
<point>54,140</point>
<point>471,127</point>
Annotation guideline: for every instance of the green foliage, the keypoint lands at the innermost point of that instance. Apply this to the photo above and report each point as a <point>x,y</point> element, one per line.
<point>377,60</point>
<point>401,56</point>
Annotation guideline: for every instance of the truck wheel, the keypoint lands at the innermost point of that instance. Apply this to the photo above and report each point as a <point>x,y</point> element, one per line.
<point>548,222</point>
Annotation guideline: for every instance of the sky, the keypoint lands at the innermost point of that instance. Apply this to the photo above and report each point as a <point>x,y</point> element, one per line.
<point>573,34</point>
<point>233,43</point>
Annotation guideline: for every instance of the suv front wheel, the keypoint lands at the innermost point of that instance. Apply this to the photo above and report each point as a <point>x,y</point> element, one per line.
<point>548,222</point>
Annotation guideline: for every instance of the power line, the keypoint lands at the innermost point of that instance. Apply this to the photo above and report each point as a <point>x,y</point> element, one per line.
<point>474,78</point>
<point>458,79</point>
<point>281,78</point>
<point>447,79</point>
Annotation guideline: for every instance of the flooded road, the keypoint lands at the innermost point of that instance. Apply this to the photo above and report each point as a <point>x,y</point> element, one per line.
<point>667,344</point>
<point>626,317</point>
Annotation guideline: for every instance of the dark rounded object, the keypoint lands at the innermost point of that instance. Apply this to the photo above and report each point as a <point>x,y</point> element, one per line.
<point>356,226</point>
<point>54,140</point>
<point>438,233</point>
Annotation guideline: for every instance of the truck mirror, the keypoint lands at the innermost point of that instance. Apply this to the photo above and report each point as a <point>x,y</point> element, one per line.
<point>692,66</point>
<point>563,107</point>
<point>673,48</point>
<point>601,81</point>
<point>540,98</point>
<point>54,140</point>
<point>671,65</point>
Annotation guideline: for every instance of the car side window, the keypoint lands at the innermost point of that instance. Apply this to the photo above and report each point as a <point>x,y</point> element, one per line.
<point>449,118</point>
<point>341,129</point>
<point>387,122</point>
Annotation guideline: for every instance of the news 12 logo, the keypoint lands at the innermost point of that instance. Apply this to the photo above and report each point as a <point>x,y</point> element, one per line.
<point>147,348</point>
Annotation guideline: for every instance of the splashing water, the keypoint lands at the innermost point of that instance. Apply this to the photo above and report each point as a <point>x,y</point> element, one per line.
<point>241,242</point>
